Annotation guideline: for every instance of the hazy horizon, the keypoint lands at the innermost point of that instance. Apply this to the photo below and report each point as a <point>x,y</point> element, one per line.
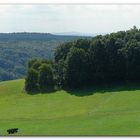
<point>59,33</point>
<point>85,19</point>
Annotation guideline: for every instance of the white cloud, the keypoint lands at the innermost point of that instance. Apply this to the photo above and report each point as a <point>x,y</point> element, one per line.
<point>66,18</point>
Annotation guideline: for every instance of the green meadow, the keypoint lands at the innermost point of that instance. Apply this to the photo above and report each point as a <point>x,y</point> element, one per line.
<point>113,110</point>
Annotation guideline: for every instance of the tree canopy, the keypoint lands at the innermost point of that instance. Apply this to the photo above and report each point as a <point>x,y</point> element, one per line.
<point>104,59</point>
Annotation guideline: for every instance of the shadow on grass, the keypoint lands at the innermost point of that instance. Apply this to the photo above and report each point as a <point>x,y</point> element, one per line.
<point>46,91</point>
<point>87,91</point>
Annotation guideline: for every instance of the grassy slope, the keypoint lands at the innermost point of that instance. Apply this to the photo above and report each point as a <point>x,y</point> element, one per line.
<point>103,113</point>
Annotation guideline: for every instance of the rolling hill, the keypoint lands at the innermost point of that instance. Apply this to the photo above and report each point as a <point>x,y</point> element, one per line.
<point>16,49</point>
<point>113,110</point>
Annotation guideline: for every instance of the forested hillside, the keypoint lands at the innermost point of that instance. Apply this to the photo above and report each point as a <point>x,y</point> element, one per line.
<point>16,49</point>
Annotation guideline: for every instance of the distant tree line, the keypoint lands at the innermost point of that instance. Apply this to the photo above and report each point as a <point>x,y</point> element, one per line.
<point>33,36</point>
<point>111,58</point>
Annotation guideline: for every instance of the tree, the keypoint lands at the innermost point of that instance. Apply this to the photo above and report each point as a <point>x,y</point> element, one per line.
<point>97,61</point>
<point>132,56</point>
<point>62,51</point>
<point>115,61</point>
<point>82,43</point>
<point>36,65</point>
<point>31,62</point>
<point>60,73</point>
<point>31,83</point>
<point>46,80</point>
<point>76,68</point>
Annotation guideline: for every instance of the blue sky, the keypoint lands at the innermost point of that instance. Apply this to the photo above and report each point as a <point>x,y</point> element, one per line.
<point>68,18</point>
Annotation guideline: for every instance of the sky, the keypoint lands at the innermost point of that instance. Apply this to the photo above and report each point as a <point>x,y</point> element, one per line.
<point>68,18</point>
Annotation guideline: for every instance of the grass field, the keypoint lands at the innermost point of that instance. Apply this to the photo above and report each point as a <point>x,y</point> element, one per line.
<point>106,111</point>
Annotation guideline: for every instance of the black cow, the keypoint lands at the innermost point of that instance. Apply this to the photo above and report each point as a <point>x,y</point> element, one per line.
<point>12,130</point>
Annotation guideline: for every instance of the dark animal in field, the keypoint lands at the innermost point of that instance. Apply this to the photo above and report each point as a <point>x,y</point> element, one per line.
<point>12,130</point>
